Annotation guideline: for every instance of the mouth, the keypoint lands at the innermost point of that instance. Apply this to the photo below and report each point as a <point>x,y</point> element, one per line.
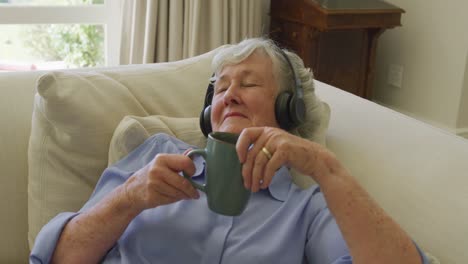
<point>234,114</point>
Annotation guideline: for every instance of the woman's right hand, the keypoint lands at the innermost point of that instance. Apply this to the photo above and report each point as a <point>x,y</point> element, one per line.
<point>159,182</point>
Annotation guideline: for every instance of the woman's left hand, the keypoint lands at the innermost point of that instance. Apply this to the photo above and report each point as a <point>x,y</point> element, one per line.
<point>263,150</point>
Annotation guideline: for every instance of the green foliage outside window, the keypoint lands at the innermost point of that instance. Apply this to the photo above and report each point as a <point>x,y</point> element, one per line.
<point>78,45</point>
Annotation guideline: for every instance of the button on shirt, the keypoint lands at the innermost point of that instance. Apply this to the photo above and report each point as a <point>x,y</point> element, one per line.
<point>282,224</point>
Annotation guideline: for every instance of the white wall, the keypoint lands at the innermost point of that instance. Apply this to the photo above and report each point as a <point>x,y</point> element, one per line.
<point>431,46</point>
<point>462,123</point>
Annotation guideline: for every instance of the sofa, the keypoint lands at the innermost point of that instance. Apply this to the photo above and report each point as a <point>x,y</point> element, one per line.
<point>416,172</point>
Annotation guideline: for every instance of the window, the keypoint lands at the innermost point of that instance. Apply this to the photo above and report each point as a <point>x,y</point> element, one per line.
<point>51,34</point>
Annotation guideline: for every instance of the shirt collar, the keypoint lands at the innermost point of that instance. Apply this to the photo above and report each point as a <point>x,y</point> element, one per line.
<point>279,186</point>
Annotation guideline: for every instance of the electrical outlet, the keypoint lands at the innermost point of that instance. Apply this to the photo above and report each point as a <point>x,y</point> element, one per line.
<point>395,75</point>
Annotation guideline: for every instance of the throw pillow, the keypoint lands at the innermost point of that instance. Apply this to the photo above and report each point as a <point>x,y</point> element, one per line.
<point>133,131</point>
<point>75,115</point>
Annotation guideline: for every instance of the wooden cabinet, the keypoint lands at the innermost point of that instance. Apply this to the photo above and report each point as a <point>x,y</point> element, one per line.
<point>336,38</point>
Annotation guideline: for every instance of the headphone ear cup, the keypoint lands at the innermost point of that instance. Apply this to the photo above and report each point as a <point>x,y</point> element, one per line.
<point>205,121</point>
<point>282,110</point>
<point>297,111</point>
<point>205,115</point>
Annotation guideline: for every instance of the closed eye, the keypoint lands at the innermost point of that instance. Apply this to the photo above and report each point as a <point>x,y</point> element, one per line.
<point>249,84</point>
<point>220,90</point>
<point>221,86</point>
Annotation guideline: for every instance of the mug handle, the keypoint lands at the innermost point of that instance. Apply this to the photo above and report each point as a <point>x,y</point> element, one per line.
<point>192,153</point>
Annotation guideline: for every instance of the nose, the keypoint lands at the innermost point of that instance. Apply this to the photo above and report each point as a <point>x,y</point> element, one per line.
<point>232,96</point>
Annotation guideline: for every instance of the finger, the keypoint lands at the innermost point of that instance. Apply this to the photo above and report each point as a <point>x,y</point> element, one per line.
<point>276,161</point>
<point>247,178</point>
<point>254,151</point>
<point>178,163</point>
<point>259,139</point>
<point>258,169</point>
<point>246,138</point>
<point>165,189</point>
<point>175,163</point>
<point>180,183</point>
<point>187,151</point>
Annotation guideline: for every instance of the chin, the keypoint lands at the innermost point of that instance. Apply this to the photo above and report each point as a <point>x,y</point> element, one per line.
<point>232,129</point>
<point>233,125</point>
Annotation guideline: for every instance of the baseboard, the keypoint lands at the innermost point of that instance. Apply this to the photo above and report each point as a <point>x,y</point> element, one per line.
<point>462,132</point>
<point>420,118</point>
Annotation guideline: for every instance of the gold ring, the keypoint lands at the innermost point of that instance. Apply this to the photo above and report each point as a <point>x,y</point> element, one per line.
<point>267,153</point>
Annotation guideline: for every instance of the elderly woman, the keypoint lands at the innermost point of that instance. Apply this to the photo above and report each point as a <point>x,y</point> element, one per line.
<point>143,211</point>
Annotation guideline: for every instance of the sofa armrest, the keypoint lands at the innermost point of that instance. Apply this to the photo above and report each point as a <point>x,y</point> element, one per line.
<point>417,173</point>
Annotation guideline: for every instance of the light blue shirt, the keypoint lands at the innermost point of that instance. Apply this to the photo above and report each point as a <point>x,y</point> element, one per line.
<point>282,224</point>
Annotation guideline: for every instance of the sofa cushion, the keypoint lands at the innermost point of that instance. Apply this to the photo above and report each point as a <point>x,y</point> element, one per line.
<point>75,115</point>
<point>134,130</point>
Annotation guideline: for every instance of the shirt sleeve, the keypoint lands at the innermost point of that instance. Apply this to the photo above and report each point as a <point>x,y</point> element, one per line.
<point>424,258</point>
<point>47,239</point>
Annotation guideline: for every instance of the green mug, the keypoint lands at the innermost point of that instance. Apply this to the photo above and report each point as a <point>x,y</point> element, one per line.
<point>224,185</point>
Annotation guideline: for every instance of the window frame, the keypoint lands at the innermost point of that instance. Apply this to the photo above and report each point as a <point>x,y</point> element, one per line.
<point>107,14</point>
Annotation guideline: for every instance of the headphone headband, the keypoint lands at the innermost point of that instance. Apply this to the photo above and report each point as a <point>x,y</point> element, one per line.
<point>297,82</point>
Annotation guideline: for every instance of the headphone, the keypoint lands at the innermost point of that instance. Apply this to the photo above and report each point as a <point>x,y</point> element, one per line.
<point>289,107</point>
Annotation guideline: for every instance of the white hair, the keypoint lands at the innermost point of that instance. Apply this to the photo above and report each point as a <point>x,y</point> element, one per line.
<point>234,54</point>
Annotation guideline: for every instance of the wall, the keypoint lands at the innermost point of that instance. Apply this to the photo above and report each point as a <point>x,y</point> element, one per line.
<point>266,18</point>
<point>462,123</point>
<point>431,46</point>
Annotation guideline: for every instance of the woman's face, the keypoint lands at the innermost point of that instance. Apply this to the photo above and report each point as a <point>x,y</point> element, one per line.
<point>245,95</point>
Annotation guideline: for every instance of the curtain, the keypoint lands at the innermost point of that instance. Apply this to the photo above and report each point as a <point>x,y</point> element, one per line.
<point>168,30</point>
